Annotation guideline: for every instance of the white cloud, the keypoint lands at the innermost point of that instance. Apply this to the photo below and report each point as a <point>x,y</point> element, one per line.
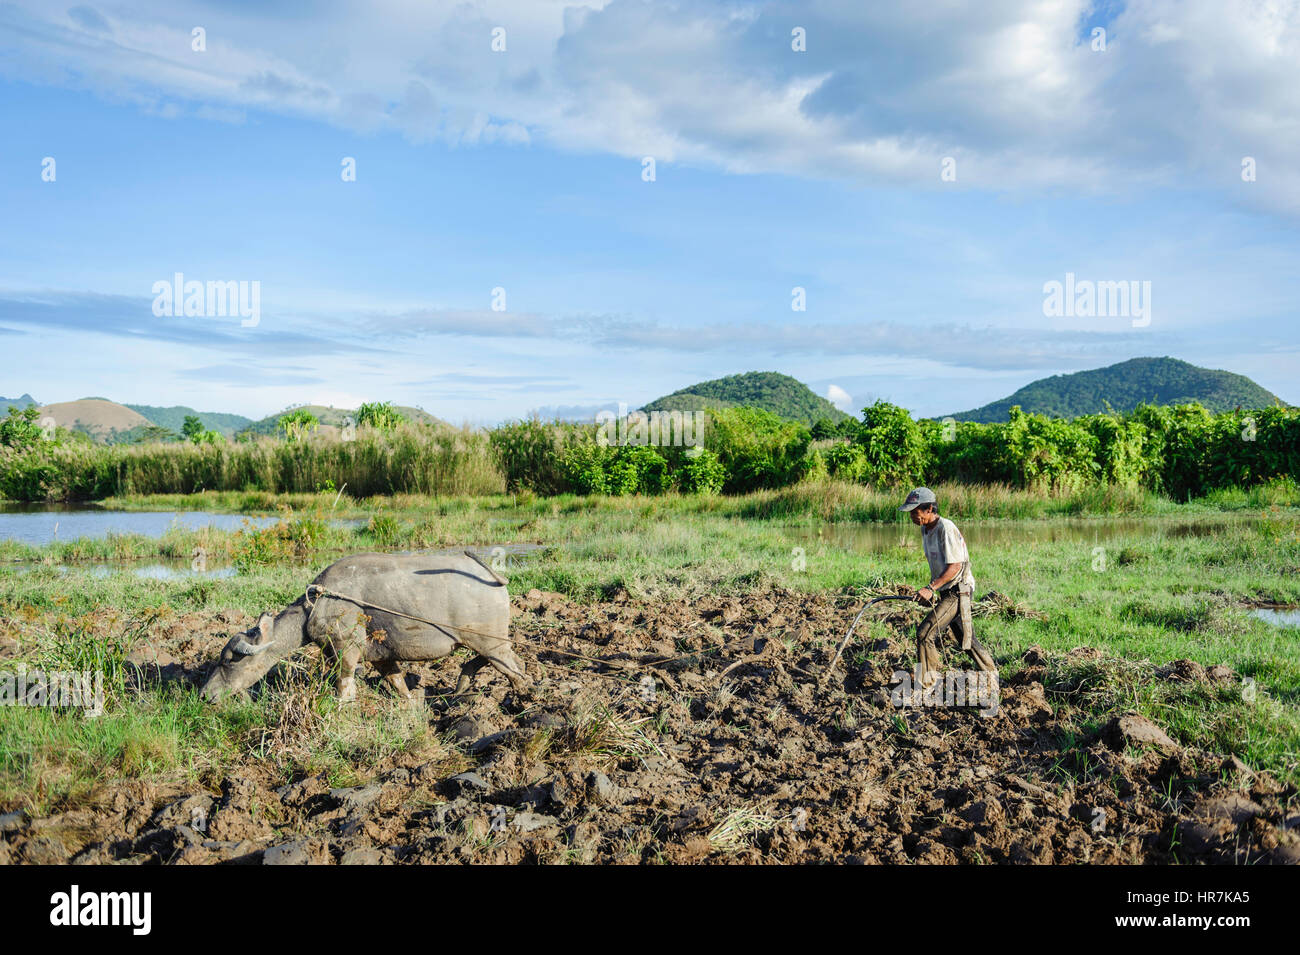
<point>838,397</point>
<point>1009,88</point>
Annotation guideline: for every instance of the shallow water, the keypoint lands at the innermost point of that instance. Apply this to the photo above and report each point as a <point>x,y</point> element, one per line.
<point>1288,617</point>
<point>39,524</point>
<point>46,523</point>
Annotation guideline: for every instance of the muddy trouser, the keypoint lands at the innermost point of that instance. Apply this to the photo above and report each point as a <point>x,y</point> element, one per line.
<point>948,614</point>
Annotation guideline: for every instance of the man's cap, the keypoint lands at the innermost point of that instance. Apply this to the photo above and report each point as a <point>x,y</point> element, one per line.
<point>922,495</point>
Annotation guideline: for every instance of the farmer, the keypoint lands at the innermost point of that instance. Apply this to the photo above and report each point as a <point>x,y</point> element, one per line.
<point>951,582</point>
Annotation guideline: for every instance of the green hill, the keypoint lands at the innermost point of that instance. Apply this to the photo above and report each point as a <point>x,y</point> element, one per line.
<point>19,403</point>
<point>1163,381</point>
<point>337,418</point>
<point>780,394</point>
<point>174,417</point>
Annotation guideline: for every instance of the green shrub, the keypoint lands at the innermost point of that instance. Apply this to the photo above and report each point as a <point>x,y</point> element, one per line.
<point>638,469</point>
<point>1122,449</point>
<point>298,424</point>
<point>531,454</point>
<point>20,431</point>
<point>28,477</point>
<point>894,449</point>
<point>583,468</point>
<point>845,461</point>
<point>702,474</point>
<point>1049,452</point>
<point>757,449</point>
<point>379,414</point>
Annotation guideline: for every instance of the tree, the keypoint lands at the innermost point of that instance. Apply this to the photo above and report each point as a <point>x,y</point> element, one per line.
<point>757,448</point>
<point>894,448</point>
<point>192,427</point>
<point>20,430</point>
<point>298,423</point>
<point>379,414</point>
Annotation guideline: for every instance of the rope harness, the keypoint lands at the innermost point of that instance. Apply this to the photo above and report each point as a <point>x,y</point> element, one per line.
<point>319,591</point>
<point>326,592</point>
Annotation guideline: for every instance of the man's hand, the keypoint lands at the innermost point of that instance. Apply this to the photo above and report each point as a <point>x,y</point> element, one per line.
<point>925,595</point>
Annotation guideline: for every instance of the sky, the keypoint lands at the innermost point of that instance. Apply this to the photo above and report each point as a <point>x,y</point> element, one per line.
<point>560,207</point>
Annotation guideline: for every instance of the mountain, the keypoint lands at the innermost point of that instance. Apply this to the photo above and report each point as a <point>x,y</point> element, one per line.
<point>173,418</point>
<point>1163,381</point>
<point>19,403</point>
<point>780,394</point>
<point>102,420</point>
<point>331,418</point>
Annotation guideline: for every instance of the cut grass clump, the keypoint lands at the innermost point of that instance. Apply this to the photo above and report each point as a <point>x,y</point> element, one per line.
<point>737,830</point>
<point>595,731</point>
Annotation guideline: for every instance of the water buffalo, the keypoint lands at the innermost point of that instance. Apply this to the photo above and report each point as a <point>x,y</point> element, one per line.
<point>467,604</point>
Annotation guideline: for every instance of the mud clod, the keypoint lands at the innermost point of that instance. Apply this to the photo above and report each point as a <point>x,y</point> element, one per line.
<point>1132,729</point>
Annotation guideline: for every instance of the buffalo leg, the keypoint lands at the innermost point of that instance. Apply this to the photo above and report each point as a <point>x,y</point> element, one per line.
<point>396,678</point>
<point>504,660</point>
<point>349,659</point>
<point>467,672</point>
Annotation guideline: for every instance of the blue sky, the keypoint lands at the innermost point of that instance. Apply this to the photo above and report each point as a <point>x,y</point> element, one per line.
<point>522,170</point>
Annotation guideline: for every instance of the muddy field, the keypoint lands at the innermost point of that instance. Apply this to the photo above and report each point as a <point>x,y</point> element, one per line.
<point>703,738</point>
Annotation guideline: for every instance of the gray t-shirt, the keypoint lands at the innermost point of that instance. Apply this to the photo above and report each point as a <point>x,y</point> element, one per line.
<point>944,545</point>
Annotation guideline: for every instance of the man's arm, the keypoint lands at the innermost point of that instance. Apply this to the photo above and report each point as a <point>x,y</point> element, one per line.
<point>945,578</point>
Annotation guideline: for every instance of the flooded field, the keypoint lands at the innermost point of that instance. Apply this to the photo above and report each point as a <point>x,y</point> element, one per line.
<point>39,524</point>
<point>46,523</point>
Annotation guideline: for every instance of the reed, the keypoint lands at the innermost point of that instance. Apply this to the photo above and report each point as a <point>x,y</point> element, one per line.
<point>413,459</point>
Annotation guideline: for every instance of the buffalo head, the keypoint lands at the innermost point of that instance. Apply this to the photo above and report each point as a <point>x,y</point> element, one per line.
<point>249,655</point>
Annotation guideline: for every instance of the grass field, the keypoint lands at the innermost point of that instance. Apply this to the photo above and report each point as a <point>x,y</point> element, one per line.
<point>1152,597</point>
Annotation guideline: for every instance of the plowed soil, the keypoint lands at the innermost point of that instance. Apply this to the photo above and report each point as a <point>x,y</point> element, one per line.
<point>704,738</point>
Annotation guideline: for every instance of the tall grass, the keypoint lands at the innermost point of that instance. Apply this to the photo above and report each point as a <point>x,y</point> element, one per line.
<point>412,459</point>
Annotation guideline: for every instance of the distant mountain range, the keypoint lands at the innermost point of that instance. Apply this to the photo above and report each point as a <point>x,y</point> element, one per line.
<point>174,417</point>
<point>769,390</point>
<point>108,422</point>
<point>1121,387</point>
<point>1162,381</point>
